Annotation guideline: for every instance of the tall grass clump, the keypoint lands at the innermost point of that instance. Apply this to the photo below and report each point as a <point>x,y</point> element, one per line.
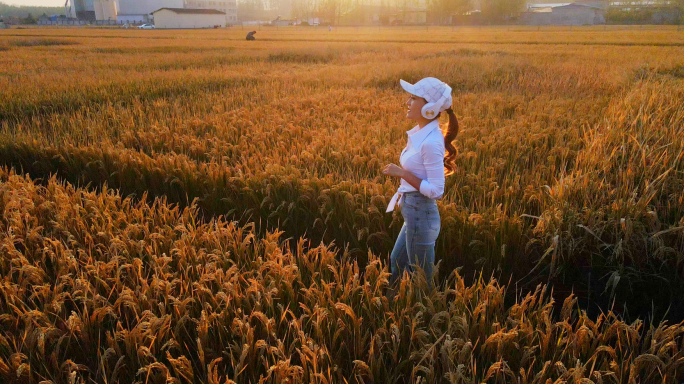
<point>101,288</point>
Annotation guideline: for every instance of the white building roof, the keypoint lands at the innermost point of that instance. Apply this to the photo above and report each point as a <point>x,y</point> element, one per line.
<point>194,11</point>
<point>546,5</point>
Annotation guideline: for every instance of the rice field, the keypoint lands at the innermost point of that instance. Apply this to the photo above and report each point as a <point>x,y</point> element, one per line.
<point>188,206</point>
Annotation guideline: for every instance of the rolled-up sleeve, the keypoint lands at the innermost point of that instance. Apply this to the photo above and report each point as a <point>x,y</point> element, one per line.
<point>432,153</point>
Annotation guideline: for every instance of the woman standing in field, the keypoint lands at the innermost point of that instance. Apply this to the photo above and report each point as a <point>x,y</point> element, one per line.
<point>422,172</point>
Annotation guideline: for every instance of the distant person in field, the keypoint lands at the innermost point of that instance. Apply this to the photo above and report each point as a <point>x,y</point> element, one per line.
<point>250,36</point>
<point>428,157</point>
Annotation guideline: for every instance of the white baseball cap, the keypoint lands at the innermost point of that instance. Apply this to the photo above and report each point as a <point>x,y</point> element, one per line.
<point>436,92</point>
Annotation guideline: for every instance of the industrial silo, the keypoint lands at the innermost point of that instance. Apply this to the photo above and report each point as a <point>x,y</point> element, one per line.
<point>105,9</point>
<point>84,9</point>
<point>145,7</point>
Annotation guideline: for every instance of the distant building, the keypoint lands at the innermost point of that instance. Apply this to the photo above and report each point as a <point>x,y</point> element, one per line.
<point>537,6</point>
<point>315,20</point>
<point>81,9</point>
<point>187,18</point>
<point>133,19</point>
<point>140,11</point>
<point>593,3</point>
<point>282,22</point>
<point>105,9</point>
<point>473,17</point>
<point>563,14</point>
<point>229,7</point>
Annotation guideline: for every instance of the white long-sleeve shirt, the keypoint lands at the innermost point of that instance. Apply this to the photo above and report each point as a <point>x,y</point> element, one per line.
<point>424,157</point>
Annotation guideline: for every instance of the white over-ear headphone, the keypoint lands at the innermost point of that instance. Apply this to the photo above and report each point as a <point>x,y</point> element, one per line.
<point>431,110</point>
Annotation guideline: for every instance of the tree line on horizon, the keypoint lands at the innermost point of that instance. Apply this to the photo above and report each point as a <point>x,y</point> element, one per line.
<point>24,11</point>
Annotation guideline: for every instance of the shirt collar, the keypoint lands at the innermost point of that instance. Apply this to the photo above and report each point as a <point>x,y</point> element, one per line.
<point>417,135</point>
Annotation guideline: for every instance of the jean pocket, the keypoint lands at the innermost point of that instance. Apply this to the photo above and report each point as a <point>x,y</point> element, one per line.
<point>432,218</point>
<point>410,202</point>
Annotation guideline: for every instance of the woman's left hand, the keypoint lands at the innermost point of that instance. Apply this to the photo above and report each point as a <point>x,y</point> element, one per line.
<point>392,170</point>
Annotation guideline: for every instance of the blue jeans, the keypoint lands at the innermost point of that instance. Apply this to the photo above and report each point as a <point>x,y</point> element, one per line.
<point>417,237</point>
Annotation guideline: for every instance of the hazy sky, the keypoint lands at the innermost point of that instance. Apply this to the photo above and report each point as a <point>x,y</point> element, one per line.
<point>50,3</point>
